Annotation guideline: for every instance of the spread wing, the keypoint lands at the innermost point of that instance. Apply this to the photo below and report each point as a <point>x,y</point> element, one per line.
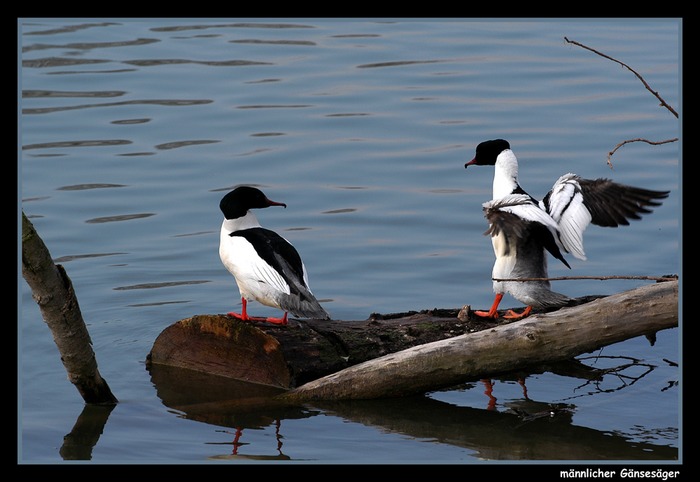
<point>574,203</point>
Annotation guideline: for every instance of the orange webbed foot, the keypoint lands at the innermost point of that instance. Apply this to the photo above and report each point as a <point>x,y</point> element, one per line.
<point>512,315</point>
<point>486,314</point>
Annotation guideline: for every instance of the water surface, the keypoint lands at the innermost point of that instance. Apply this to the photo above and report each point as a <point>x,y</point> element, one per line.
<point>132,130</point>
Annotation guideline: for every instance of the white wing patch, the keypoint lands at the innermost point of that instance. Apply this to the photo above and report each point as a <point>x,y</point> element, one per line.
<point>522,206</point>
<point>248,268</point>
<point>567,209</point>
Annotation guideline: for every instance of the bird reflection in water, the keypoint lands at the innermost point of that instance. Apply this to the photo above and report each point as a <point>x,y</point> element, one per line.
<point>236,443</point>
<point>488,385</point>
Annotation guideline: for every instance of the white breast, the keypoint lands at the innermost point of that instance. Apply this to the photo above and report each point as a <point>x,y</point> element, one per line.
<point>505,260</point>
<point>255,278</point>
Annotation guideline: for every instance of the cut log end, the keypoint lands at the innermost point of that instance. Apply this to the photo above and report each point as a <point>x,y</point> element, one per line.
<point>222,345</point>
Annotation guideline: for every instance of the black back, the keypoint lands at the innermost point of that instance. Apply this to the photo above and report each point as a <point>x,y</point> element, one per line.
<point>278,253</point>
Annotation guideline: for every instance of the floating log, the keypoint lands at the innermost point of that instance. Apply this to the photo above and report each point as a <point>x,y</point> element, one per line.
<point>395,355</point>
<point>304,350</point>
<point>537,339</point>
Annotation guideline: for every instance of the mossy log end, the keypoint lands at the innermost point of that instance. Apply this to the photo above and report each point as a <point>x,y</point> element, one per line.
<point>406,353</point>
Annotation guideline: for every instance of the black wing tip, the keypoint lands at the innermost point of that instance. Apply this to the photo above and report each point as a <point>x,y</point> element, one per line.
<point>651,195</point>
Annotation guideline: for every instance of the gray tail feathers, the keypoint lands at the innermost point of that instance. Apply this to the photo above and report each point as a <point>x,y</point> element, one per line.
<point>550,299</point>
<point>304,306</point>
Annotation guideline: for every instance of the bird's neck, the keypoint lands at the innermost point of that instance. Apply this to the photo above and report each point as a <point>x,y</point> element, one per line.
<point>244,222</point>
<point>505,176</point>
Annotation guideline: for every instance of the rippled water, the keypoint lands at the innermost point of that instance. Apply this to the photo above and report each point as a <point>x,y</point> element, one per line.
<point>132,130</point>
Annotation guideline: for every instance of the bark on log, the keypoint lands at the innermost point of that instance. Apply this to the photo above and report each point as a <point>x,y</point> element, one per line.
<point>542,338</point>
<point>53,291</point>
<point>306,350</point>
<point>300,352</point>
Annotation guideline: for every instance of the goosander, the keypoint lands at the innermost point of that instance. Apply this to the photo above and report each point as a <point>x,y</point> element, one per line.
<point>522,228</point>
<point>267,268</point>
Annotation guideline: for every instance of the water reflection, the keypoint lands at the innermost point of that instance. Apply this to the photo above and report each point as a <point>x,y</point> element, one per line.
<point>178,144</point>
<point>78,444</point>
<point>520,433</point>
<point>83,187</point>
<point>90,45</point>
<point>30,94</point>
<point>70,144</point>
<point>321,90</point>
<point>523,428</point>
<point>69,28</point>
<point>163,102</point>
<point>180,28</point>
<point>211,63</point>
<point>273,42</point>
<point>237,443</point>
<point>163,284</point>
<point>68,258</point>
<point>119,217</point>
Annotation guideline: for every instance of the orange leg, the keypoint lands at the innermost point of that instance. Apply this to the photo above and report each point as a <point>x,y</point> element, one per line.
<point>245,317</point>
<point>510,314</point>
<point>244,313</point>
<point>493,312</point>
<point>277,321</point>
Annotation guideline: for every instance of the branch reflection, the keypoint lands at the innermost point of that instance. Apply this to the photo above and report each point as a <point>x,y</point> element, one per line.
<point>523,429</point>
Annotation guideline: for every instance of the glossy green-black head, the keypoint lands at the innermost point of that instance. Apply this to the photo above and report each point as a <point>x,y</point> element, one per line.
<point>236,203</point>
<point>487,152</point>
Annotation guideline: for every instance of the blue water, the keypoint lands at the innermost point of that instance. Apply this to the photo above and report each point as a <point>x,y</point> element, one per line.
<point>132,130</point>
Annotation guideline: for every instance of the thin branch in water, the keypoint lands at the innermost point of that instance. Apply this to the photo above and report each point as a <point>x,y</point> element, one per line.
<point>567,278</point>
<point>646,85</point>
<point>617,372</point>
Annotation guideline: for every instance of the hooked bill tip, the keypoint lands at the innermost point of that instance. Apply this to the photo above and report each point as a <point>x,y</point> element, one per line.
<point>275,203</point>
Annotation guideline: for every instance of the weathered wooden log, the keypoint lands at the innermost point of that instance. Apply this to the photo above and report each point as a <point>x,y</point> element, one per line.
<point>542,338</point>
<point>288,356</point>
<point>306,350</point>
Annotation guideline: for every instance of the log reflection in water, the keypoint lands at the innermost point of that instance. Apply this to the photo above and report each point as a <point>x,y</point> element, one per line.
<point>523,429</point>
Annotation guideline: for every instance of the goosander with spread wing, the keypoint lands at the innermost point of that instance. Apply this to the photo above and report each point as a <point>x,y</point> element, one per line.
<point>522,229</point>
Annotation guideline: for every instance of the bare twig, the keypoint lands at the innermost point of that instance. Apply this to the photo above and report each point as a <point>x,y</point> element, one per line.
<point>567,278</point>
<point>656,94</point>
<point>646,85</point>
<point>610,154</point>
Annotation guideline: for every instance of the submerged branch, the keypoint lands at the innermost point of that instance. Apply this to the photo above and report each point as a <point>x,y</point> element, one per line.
<point>566,278</point>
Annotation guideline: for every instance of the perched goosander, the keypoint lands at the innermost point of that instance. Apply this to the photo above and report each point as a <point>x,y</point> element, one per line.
<point>267,268</point>
<point>521,228</point>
